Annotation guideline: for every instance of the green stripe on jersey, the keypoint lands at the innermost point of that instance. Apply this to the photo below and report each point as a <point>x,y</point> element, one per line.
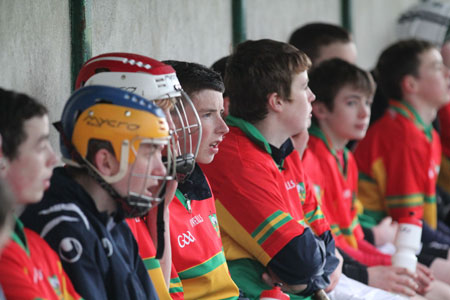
<point>371,218</point>
<point>203,268</point>
<point>151,263</point>
<point>364,177</point>
<point>175,280</point>
<point>274,227</point>
<point>314,216</point>
<point>266,222</point>
<point>174,290</point>
<point>349,230</point>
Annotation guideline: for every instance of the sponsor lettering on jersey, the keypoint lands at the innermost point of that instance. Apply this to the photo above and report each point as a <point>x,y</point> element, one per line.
<point>433,171</point>
<point>185,239</point>
<point>37,275</point>
<point>290,184</point>
<point>347,193</point>
<point>197,219</point>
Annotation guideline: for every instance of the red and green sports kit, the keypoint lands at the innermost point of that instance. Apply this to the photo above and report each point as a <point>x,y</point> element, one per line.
<point>30,269</point>
<point>197,251</point>
<point>261,206</point>
<point>337,181</point>
<point>444,125</point>
<point>147,251</point>
<point>398,163</point>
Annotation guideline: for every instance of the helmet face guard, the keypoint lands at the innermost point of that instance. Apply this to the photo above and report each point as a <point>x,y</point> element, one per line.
<point>139,197</point>
<point>154,81</point>
<point>135,132</point>
<point>186,146</point>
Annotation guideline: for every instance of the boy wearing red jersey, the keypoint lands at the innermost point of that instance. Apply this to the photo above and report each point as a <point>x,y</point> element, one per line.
<point>30,268</point>
<point>341,113</point>
<point>258,180</point>
<point>399,158</point>
<point>197,251</point>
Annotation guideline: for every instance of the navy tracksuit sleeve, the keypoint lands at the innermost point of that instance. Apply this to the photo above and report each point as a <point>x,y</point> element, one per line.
<point>306,259</point>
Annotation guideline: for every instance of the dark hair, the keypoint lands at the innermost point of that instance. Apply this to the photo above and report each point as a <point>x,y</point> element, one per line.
<point>6,204</point>
<point>311,37</point>
<point>194,77</point>
<point>16,108</point>
<point>220,66</point>
<point>397,61</point>
<point>257,69</point>
<point>328,78</point>
<point>94,145</point>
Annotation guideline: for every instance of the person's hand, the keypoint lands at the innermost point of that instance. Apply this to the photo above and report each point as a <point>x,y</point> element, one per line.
<point>393,279</point>
<point>300,141</point>
<point>424,279</point>
<point>385,231</point>
<point>271,279</point>
<point>336,275</point>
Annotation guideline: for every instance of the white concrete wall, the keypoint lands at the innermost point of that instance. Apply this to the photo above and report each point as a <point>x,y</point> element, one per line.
<point>194,30</point>
<point>278,19</point>
<point>374,27</point>
<point>35,35</point>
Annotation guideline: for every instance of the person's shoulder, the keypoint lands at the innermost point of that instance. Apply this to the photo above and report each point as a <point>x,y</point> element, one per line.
<point>39,248</point>
<point>237,152</point>
<point>13,252</point>
<point>389,132</point>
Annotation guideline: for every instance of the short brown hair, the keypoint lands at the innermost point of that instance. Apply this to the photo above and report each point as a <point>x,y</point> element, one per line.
<point>328,78</point>
<point>312,37</point>
<point>257,69</point>
<point>397,61</point>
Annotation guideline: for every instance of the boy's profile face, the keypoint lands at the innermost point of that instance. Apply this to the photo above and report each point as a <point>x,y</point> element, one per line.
<point>209,106</point>
<point>297,115</point>
<point>141,176</point>
<point>433,80</point>
<point>344,51</point>
<point>350,116</point>
<point>29,173</point>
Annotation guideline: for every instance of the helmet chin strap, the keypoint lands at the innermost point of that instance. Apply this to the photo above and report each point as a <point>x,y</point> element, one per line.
<point>80,162</point>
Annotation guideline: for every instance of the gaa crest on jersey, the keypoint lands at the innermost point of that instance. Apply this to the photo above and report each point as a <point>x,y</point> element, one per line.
<point>70,249</point>
<point>301,191</point>
<point>318,192</point>
<point>54,282</point>
<point>215,223</point>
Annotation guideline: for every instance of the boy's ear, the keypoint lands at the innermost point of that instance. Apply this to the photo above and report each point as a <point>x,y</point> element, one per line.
<point>106,163</point>
<point>275,102</point>
<point>408,84</point>
<point>320,111</point>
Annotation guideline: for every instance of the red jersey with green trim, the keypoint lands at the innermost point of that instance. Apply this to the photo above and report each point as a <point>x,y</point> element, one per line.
<point>258,214</point>
<point>338,185</point>
<point>398,163</point>
<point>197,251</point>
<point>444,124</point>
<point>30,269</point>
<point>147,251</point>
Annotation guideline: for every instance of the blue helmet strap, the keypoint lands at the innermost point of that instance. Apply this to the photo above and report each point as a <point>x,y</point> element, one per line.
<point>129,211</point>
